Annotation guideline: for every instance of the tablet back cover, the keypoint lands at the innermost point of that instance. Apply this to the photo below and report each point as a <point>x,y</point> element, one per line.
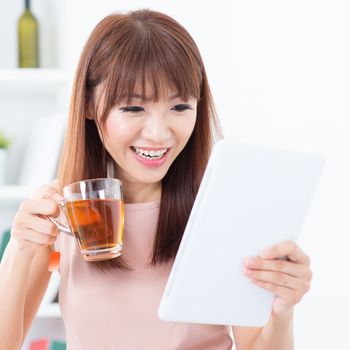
<point>250,198</point>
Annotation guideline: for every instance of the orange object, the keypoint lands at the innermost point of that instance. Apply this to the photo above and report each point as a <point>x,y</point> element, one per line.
<point>54,261</point>
<point>41,344</point>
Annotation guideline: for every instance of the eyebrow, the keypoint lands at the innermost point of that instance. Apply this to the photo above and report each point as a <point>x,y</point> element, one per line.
<point>139,96</point>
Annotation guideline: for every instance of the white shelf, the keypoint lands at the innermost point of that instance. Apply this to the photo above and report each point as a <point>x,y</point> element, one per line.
<point>49,311</point>
<point>14,193</point>
<point>29,81</point>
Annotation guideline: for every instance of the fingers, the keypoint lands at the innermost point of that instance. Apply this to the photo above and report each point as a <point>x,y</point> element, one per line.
<point>31,232</point>
<point>289,279</point>
<point>57,184</point>
<point>51,193</point>
<point>279,279</point>
<point>287,267</point>
<point>287,295</point>
<point>39,238</point>
<point>286,249</point>
<point>47,191</point>
<point>288,289</point>
<point>42,207</point>
<point>31,228</point>
<point>34,223</point>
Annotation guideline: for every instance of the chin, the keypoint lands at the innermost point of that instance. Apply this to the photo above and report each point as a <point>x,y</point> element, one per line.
<point>151,179</point>
<point>147,179</point>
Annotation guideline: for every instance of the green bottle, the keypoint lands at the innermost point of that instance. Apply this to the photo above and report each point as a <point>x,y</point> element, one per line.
<point>28,41</point>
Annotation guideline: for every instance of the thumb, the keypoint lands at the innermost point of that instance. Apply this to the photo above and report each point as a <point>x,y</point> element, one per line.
<point>53,191</point>
<point>57,184</point>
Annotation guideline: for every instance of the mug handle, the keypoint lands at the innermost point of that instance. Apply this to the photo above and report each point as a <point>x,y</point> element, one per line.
<point>62,227</point>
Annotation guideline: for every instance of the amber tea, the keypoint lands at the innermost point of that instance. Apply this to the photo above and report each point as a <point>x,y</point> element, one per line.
<point>98,226</point>
<point>95,211</point>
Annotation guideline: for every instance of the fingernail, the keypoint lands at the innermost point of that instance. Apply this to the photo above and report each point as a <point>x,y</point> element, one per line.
<point>250,261</point>
<point>247,271</point>
<point>264,254</point>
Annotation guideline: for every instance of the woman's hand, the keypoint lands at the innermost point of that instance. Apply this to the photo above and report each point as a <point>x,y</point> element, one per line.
<point>31,229</point>
<point>289,279</point>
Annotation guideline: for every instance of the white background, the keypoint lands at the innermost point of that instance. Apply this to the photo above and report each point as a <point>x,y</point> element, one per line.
<point>280,75</point>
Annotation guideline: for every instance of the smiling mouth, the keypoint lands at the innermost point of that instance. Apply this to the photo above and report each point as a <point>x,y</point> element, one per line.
<point>150,154</point>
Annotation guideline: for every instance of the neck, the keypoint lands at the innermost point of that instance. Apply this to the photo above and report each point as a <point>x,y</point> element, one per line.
<point>141,193</point>
<point>27,4</point>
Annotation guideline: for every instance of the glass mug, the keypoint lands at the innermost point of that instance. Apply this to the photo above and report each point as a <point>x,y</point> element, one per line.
<point>94,210</point>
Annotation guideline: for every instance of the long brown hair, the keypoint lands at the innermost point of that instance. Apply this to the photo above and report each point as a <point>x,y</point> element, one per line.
<point>145,47</point>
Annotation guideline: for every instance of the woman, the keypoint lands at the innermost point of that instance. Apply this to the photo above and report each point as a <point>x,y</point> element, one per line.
<point>141,111</point>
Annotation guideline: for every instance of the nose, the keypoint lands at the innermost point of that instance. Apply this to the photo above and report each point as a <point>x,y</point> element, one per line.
<point>156,129</point>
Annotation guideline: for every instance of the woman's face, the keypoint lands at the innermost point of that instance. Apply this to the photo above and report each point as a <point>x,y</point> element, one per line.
<point>144,138</point>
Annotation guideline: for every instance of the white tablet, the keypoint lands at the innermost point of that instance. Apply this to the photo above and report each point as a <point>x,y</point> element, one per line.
<point>250,198</point>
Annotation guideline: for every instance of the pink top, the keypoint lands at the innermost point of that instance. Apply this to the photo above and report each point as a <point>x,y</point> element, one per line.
<point>118,310</point>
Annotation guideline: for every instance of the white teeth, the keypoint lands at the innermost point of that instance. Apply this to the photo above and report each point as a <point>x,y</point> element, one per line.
<point>153,154</point>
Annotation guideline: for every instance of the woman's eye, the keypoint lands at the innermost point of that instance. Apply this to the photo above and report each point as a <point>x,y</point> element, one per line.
<point>181,107</point>
<point>132,109</point>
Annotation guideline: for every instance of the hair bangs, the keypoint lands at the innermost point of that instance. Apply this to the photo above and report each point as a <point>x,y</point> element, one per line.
<point>151,67</point>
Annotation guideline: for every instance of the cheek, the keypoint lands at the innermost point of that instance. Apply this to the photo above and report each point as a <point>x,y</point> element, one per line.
<point>111,128</point>
<point>186,129</point>
<point>116,132</point>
